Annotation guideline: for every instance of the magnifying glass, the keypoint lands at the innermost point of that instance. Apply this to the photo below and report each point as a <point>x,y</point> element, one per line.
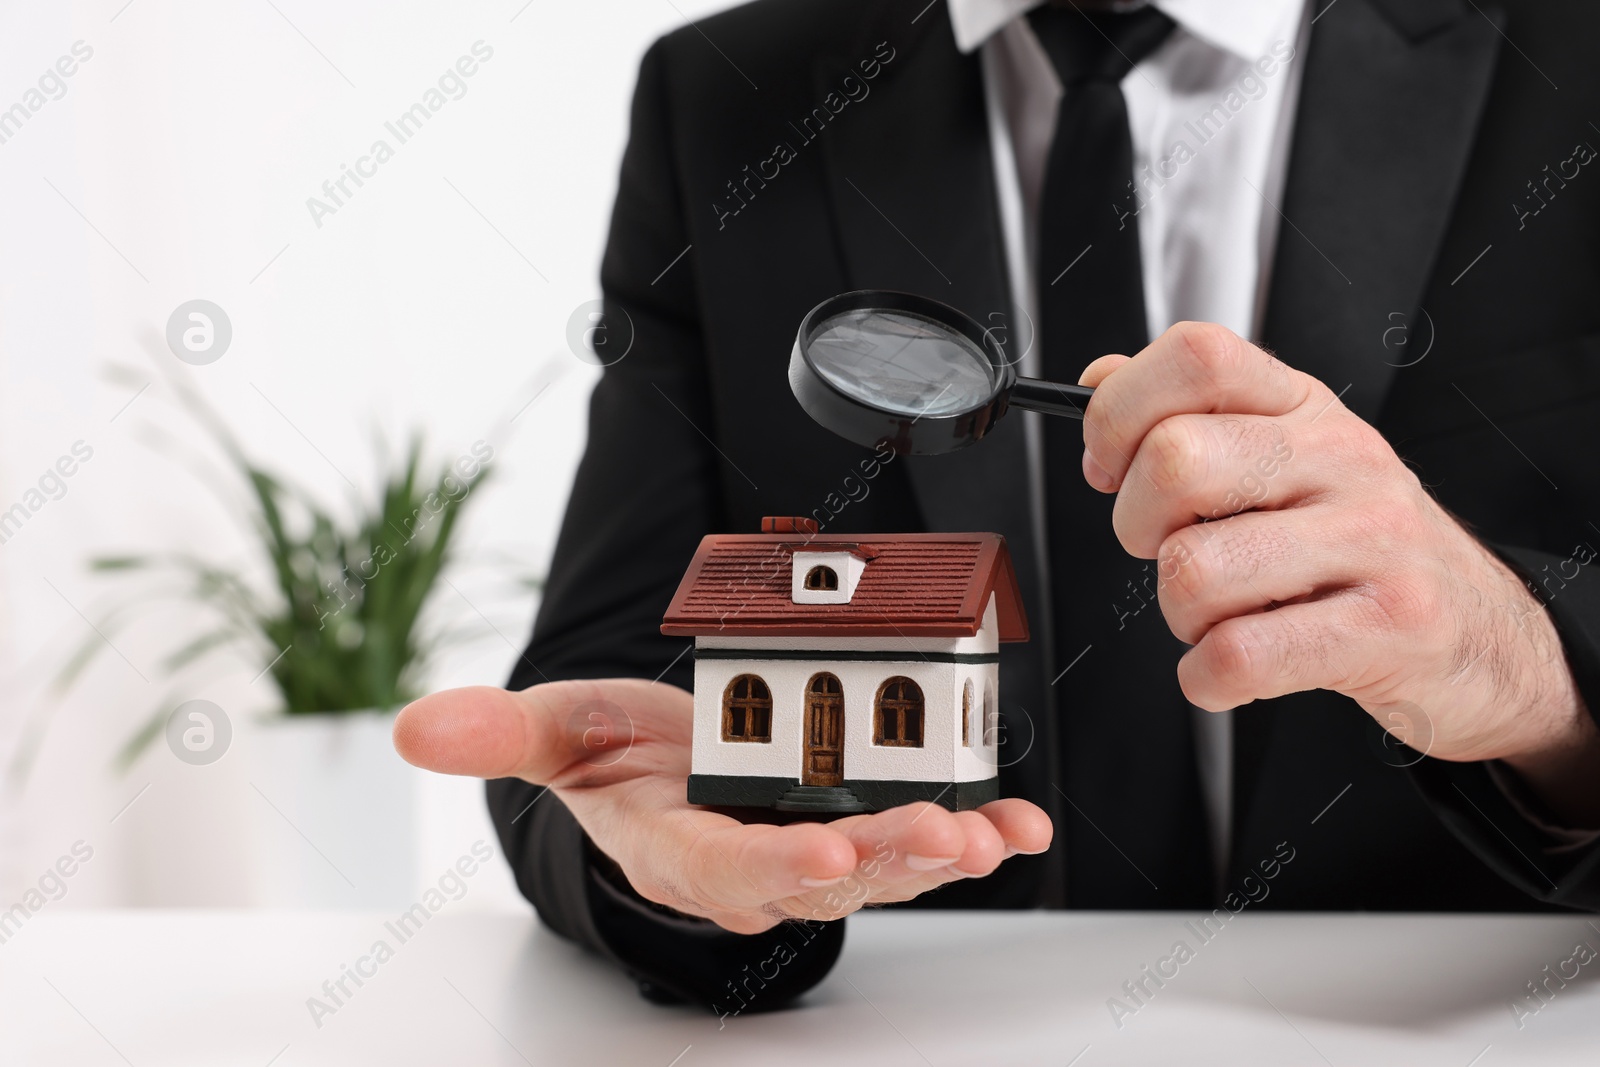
<point>881,367</point>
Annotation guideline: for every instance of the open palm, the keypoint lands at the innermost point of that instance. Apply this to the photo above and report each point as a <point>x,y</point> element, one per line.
<point>616,752</point>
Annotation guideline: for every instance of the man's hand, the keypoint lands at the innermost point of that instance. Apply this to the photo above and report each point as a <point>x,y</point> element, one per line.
<point>617,754</point>
<point>1296,551</point>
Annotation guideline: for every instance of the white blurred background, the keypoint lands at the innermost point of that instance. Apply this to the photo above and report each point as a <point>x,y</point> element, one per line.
<point>176,165</point>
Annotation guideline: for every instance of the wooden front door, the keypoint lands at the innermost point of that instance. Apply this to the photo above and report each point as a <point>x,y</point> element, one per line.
<point>824,750</point>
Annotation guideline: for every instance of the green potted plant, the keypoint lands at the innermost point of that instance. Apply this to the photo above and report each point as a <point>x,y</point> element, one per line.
<point>329,607</point>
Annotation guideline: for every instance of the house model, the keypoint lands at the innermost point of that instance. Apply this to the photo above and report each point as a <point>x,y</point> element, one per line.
<point>842,673</point>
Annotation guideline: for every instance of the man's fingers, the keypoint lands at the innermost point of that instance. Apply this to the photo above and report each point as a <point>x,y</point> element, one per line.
<point>1097,372</point>
<point>705,861</point>
<point>1210,572</point>
<point>1329,643</point>
<point>475,731</point>
<point>984,847</point>
<point>745,867</point>
<point>746,878</point>
<point>768,872</point>
<point>1192,368</point>
<point>990,835</point>
<point>905,842</point>
<point>1024,827</point>
<point>535,734</point>
<point>1204,467</point>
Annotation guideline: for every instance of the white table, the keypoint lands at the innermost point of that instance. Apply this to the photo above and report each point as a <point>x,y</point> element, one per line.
<point>214,988</point>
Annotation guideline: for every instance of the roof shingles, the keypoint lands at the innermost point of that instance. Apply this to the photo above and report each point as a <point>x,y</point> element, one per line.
<point>930,585</point>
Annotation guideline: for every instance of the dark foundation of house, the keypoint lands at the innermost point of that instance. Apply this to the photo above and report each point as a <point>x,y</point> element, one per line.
<point>851,795</point>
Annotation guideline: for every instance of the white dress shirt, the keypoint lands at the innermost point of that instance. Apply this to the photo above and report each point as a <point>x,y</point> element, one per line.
<point>1211,113</point>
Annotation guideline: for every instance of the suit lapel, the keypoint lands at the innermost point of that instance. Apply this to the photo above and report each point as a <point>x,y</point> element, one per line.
<point>1387,116</point>
<point>1389,107</point>
<point>912,190</point>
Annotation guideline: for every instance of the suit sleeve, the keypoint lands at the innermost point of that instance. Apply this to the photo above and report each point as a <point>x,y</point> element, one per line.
<point>646,492</point>
<point>1488,818</point>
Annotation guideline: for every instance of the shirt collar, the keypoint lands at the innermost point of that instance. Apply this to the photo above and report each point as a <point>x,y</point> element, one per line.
<point>1243,27</point>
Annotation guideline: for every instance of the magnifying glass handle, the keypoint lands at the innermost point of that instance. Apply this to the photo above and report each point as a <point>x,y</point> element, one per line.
<point>1052,398</point>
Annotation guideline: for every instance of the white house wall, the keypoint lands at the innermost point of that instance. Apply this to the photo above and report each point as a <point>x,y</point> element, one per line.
<point>941,758</point>
<point>978,761</point>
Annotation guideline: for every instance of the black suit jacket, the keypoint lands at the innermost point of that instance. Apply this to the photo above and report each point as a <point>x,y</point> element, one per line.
<point>1408,207</point>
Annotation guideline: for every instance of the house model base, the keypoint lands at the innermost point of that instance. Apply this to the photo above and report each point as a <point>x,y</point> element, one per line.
<point>836,673</point>
<point>851,795</point>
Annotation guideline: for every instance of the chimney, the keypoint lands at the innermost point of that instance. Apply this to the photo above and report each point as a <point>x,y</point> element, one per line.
<point>789,524</point>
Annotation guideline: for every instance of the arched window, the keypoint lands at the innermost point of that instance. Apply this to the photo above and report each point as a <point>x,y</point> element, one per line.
<point>991,717</point>
<point>822,578</point>
<point>966,714</point>
<point>897,714</point>
<point>747,710</point>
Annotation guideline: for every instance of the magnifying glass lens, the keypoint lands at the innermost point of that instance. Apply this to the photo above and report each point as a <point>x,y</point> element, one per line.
<point>898,369</point>
<point>901,362</point>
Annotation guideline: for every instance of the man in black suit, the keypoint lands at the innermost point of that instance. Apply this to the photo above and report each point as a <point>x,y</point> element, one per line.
<point>1417,556</point>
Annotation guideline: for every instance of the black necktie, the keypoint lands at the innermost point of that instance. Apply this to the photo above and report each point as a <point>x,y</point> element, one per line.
<point>1134,824</point>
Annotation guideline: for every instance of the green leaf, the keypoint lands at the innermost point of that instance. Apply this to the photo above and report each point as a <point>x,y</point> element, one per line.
<point>142,738</point>
<point>120,563</point>
<point>339,623</point>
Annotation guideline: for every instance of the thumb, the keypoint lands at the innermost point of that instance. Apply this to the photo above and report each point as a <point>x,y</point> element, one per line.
<point>492,733</point>
<point>1098,371</point>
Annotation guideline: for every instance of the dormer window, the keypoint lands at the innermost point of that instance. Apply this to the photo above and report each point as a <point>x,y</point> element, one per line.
<point>825,575</point>
<point>822,578</point>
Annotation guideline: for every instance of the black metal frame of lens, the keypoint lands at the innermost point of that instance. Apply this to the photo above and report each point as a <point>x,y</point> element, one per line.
<point>870,426</point>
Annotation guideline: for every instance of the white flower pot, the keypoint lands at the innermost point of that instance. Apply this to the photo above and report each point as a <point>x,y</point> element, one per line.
<point>335,818</point>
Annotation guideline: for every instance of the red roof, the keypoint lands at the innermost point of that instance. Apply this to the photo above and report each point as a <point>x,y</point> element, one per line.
<point>913,585</point>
